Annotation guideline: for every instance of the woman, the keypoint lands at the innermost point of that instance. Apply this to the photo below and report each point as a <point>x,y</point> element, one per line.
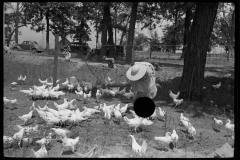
<point>142,79</point>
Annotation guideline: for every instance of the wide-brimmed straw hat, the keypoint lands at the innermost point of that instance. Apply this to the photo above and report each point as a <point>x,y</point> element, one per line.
<point>136,72</point>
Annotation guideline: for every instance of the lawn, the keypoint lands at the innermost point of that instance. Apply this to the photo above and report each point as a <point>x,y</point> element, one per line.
<point>112,139</point>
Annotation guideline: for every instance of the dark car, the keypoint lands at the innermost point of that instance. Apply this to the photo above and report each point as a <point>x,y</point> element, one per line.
<point>80,47</point>
<point>118,48</point>
<point>30,45</point>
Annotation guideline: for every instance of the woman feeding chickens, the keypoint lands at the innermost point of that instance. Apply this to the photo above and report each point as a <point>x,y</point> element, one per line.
<point>142,80</point>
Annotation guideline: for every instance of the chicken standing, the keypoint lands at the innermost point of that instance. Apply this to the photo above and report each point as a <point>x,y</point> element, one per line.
<point>137,149</point>
<point>68,142</point>
<point>42,152</point>
<point>174,96</point>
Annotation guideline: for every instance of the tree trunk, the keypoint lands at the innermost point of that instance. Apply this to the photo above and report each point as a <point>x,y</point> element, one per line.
<point>186,30</point>
<point>231,29</point>
<point>110,33</point>
<point>47,36</point>
<point>124,32</point>
<point>3,26</point>
<point>62,33</point>
<point>16,24</point>
<point>196,51</point>
<point>175,32</point>
<point>104,33</point>
<point>115,24</point>
<point>129,57</point>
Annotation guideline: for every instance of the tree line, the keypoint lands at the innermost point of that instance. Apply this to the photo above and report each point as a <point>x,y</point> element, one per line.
<point>195,25</point>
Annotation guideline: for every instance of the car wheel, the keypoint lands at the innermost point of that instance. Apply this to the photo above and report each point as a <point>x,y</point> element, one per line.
<point>34,50</point>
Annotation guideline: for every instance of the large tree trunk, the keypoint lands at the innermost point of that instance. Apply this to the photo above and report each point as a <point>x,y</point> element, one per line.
<point>104,32</point>
<point>187,23</point>
<point>231,32</point>
<point>110,33</point>
<point>129,55</point>
<point>47,36</point>
<point>16,24</point>
<point>196,51</point>
<point>3,26</point>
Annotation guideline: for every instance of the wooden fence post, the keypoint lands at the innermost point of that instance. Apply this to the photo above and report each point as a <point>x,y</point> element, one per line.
<point>55,60</point>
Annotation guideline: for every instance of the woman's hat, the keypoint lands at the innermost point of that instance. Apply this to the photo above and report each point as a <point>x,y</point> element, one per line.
<point>136,72</point>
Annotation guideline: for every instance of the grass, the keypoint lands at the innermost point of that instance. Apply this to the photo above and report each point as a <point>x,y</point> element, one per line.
<point>13,68</point>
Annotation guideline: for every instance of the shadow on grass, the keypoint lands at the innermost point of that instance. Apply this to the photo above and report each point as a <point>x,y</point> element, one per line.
<point>221,97</point>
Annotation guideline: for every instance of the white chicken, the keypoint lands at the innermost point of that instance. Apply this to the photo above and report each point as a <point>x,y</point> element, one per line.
<point>161,112</point>
<point>107,114</point>
<point>134,114</point>
<point>50,114</point>
<point>186,124</point>
<point>65,83</point>
<point>184,118</point>
<point>98,95</point>
<point>42,152</point>
<point>61,106</point>
<point>64,112</point>
<point>24,78</point>
<point>70,87</point>
<point>60,131</point>
<point>135,122</point>
<point>217,122</point>
<point>154,114</point>
<point>117,114</point>
<point>79,94</point>
<point>124,108</point>
<point>137,149</point>
<point>229,126</point>
<point>19,78</point>
<point>166,140</point>
<point>217,86</point>
<point>174,136</point>
<point>128,95</point>
<point>146,122</point>
<point>177,102</point>
<point>191,131</point>
<point>42,82</point>
<point>53,111</point>
<point>44,108</point>
<point>45,140</point>
<point>70,103</point>
<point>52,120</point>
<point>42,114</point>
<point>26,117</point>
<point>174,96</point>
<point>68,142</point>
<point>19,135</point>
<point>56,88</point>
<point>14,101</point>
<point>5,100</point>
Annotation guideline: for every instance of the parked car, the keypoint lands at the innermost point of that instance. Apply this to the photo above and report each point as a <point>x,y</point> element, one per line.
<point>118,48</point>
<point>80,47</point>
<point>29,45</point>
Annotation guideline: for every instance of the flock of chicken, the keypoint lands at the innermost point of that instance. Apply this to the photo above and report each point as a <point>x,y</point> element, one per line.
<point>67,112</point>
